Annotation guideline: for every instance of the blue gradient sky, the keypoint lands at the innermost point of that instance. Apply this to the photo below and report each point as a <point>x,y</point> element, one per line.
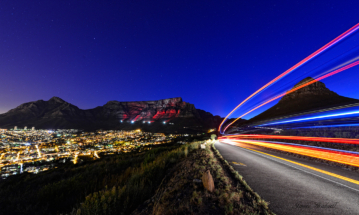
<point>211,53</point>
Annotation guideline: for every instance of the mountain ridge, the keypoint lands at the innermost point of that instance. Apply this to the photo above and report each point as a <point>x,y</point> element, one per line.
<point>57,113</point>
<point>312,97</point>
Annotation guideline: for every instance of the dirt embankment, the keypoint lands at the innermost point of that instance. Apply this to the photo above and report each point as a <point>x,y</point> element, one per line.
<point>182,191</point>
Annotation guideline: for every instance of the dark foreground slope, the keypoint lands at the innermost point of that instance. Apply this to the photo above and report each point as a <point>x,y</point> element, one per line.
<point>150,115</point>
<point>180,194</point>
<point>312,97</point>
<point>58,191</point>
<point>121,183</point>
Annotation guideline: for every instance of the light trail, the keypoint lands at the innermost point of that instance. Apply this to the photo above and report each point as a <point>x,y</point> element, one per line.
<point>313,118</point>
<point>295,89</point>
<point>345,152</point>
<point>278,137</point>
<point>331,126</point>
<point>314,54</point>
<point>329,155</point>
<point>312,168</point>
<point>347,113</point>
<point>328,113</point>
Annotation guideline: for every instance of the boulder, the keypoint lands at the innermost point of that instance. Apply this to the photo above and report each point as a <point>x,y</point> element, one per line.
<point>207,180</point>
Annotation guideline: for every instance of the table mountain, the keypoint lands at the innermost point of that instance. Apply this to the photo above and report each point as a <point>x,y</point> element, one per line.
<point>57,113</point>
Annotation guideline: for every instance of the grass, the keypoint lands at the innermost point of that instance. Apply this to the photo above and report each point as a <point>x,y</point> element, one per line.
<point>141,184</point>
<point>231,195</point>
<point>60,190</point>
<point>159,181</point>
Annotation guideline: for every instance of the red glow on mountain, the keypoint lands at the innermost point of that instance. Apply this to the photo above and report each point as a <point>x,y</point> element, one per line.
<point>171,113</point>
<point>159,114</point>
<point>137,118</point>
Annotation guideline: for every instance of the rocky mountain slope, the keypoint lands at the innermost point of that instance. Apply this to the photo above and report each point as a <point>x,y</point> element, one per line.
<point>57,113</point>
<point>312,97</point>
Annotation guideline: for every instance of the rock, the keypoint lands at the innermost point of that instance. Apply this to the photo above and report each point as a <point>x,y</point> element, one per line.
<point>208,181</point>
<point>317,88</point>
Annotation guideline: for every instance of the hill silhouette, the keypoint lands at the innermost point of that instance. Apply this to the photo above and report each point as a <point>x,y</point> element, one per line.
<point>169,115</point>
<point>312,97</point>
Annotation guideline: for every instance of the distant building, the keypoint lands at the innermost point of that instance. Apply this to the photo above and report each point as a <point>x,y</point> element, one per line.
<point>25,128</point>
<point>15,128</point>
<point>33,128</point>
<point>10,170</point>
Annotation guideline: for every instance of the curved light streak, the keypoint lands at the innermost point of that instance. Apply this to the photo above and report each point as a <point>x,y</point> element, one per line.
<point>303,138</point>
<point>295,89</point>
<point>313,118</point>
<point>346,152</point>
<point>338,157</point>
<point>330,126</point>
<point>325,47</point>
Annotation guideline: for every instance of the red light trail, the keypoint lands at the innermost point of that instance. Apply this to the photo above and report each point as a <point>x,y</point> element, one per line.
<point>330,155</point>
<point>278,137</point>
<point>297,88</point>
<point>325,47</point>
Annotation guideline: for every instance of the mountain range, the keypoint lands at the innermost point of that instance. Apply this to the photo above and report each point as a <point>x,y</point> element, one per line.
<point>167,114</point>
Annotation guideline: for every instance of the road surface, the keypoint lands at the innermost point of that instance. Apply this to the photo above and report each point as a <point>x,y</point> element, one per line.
<point>289,185</point>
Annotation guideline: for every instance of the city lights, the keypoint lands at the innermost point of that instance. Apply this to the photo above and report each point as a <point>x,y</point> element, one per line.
<point>34,151</point>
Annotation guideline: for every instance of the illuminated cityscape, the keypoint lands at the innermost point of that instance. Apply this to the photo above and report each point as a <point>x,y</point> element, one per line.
<point>34,151</point>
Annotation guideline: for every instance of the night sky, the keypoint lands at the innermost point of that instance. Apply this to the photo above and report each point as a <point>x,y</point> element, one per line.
<point>211,53</point>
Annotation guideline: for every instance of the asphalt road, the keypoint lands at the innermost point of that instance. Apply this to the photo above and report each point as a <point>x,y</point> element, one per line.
<point>291,188</point>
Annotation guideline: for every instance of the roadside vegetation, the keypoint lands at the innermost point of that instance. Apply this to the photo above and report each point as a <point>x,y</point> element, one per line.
<point>138,184</point>
<point>164,180</point>
<point>60,190</point>
<point>182,192</point>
